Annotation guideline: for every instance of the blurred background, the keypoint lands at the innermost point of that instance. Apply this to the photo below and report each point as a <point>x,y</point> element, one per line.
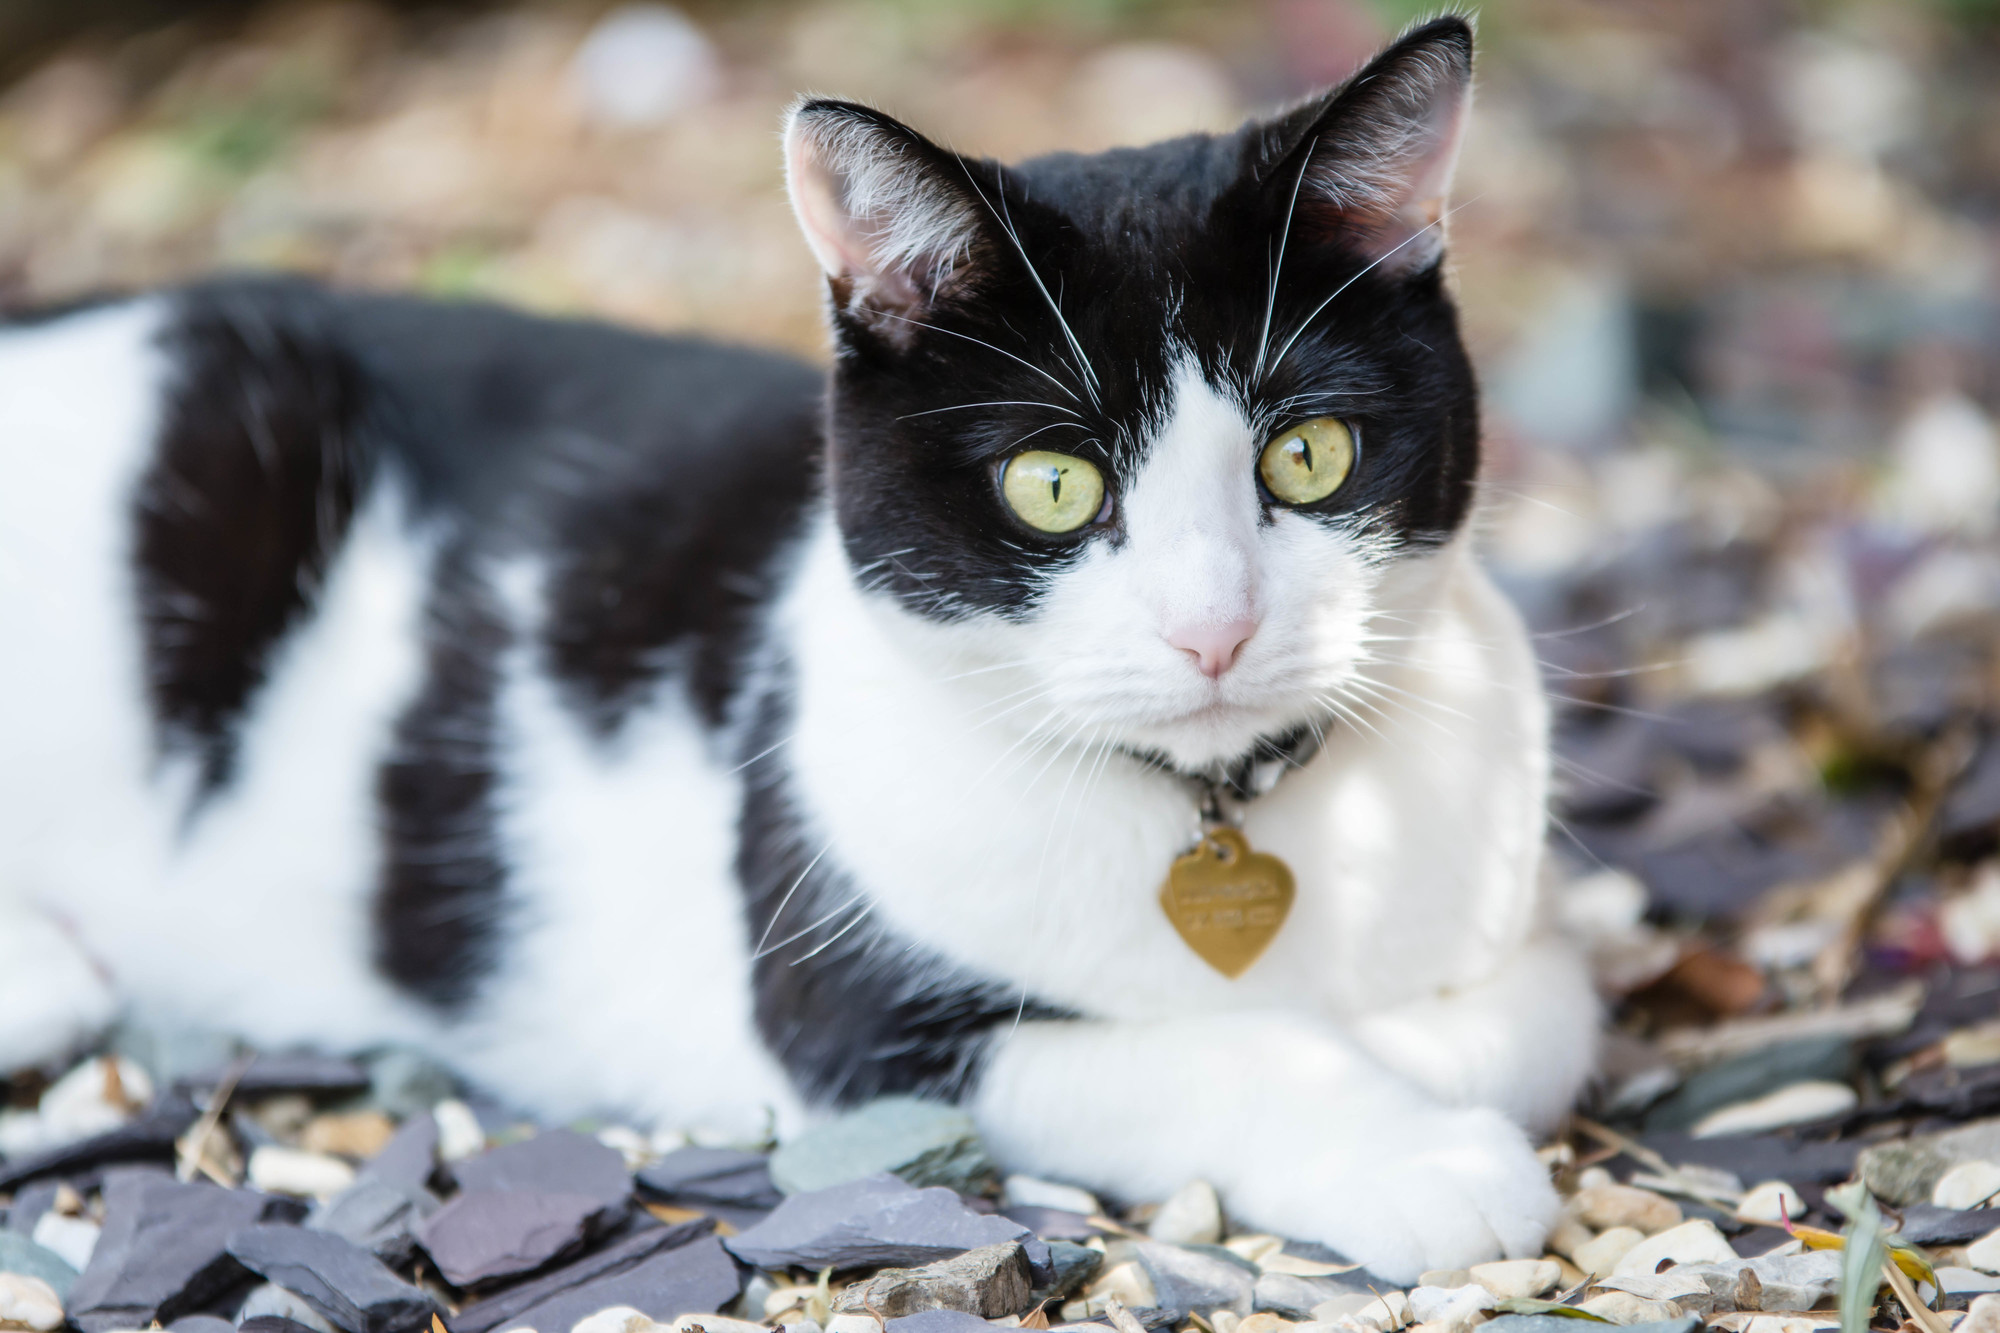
<point>1731,269</point>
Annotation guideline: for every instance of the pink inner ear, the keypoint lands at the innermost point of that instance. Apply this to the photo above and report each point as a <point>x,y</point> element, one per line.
<point>1392,207</point>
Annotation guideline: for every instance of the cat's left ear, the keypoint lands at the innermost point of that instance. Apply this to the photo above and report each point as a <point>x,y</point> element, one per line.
<point>890,216</point>
<point>1370,163</point>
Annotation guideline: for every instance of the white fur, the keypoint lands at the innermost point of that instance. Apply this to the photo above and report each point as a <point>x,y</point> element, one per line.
<point>1343,1089</point>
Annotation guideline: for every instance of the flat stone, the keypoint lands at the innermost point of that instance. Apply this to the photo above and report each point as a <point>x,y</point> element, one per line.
<point>1762,1156</point>
<point>1599,1257</point>
<point>1071,1267</point>
<point>1784,1281</point>
<point>1689,1243</point>
<point>1622,1307</point>
<point>1800,1103</point>
<point>1906,1172</point>
<point>925,1143</point>
<point>1983,1316</point>
<point>620,1256</point>
<point>148,1136</point>
<point>1199,1282</point>
<point>409,1159</point>
<point>269,1300</point>
<point>20,1255</point>
<point>293,1071</point>
<point>1521,1278</point>
<point>487,1234</point>
<point>1966,1281</point>
<point>379,1217</point>
<point>698,1277</point>
<point>1291,1296</point>
<point>1747,1077</point>
<point>875,1222</point>
<point>939,1321</point>
<point>271,1323</point>
<point>991,1282</point>
<point>30,1202</point>
<point>163,1253</point>
<point>1681,1287</point>
<point>1449,1305</point>
<point>556,1161</point>
<point>1926,1224</point>
<point>29,1302</point>
<point>1051,1224</point>
<point>1602,1207</point>
<point>1771,1203</point>
<point>1549,1323</point>
<point>713,1175</point>
<point>1193,1216</point>
<point>344,1282</point>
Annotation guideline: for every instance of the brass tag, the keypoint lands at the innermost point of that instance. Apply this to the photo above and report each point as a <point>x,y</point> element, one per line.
<point>1227,901</point>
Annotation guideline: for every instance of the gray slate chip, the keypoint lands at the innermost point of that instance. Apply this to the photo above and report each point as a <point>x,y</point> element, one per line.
<point>288,1071</point>
<point>876,1222</point>
<point>20,1255</point>
<point>409,1159</point>
<point>1051,1223</point>
<point>1072,1267</point>
<point>268,1298</point>
<point>380,1217</point>
<point>30,1202</point>
<point>991,1282</point>
<point>697,1278</point>
<point>713,1175</point>
<point>1184,1279</point>
<point>1928,1224</point>
<point>406,1083</point>
<point>1752,1075</point>
<point>148,1136</point>
<point>1293,1297</point>
<point>487,1234</point>
<point>344,1282</point>
<point>557,1161</point>
<point>939,1321</point>
<point>163,1251</point>
<point>271,1323</point>
<point>613,1259</point>
<point>926,1143</point>
<point>1555,1323</point>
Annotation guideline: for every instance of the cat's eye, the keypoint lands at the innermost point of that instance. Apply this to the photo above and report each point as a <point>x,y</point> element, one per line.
<point>1052,492</point>
<point>1308,462</point>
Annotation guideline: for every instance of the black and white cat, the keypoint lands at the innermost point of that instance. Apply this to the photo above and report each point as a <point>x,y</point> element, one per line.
<point>644,727</point>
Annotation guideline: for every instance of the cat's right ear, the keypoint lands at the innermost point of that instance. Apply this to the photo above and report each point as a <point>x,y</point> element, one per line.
<point>888,214</point>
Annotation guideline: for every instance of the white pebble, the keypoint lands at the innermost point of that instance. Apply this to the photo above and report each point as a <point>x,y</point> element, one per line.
<point>1771,1203</point>
<point>855,1322</point>
<point>1450,1305</point>
<point>642,65</point>
<point>1967,1185</point>
<point>617,1319</point>
<point>1521,1278</point>
<point>1622,1307</point>
<point>29,1302</point>
<point>1983,1316</point>
<point>1192,1217</point>
<point>1984,1253</point>
<point>459,1134</point>
<point>280,1170</point>
<point>1599,1257</point>
<point>627,1143</point>
<point>1696,1242</point>
<point>87,1100</point>
<point>1028,1192</point>
<point>1794,1104</point>
<point>72,1238</point>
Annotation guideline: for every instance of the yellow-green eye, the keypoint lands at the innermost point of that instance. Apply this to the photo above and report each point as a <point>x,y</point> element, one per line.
<point>1053,492</point>
<point>1308,462</point>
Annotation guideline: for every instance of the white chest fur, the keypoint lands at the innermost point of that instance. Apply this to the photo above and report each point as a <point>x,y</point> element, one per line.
<point>1036,859</point>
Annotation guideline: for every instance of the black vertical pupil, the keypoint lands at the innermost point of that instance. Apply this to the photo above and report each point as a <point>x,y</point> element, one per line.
<point>1055,484</point>
<point>1306,452</point>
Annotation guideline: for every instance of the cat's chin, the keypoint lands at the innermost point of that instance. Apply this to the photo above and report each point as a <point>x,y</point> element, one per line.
<point>1215,734</point>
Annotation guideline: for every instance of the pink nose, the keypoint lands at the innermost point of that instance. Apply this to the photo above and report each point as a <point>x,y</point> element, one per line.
<point>1214,647</point>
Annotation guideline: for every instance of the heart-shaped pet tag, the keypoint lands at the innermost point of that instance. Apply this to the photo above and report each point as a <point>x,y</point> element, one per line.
<point>1227,901</point>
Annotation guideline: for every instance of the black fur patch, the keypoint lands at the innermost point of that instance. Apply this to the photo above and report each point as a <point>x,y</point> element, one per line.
<point>254,479</point>
<point>438,909</point>
<point>851,1010</point>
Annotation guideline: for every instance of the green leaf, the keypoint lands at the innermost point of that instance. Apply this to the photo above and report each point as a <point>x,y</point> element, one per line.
<point>1861,1267</point>
<point>1523,1305</point>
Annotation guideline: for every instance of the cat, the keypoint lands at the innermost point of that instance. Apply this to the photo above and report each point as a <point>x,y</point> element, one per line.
<point>659,728</point>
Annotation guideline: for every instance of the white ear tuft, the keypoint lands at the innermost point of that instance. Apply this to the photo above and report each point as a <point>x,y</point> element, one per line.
<point>877,205</point>
<point>1385,146</point>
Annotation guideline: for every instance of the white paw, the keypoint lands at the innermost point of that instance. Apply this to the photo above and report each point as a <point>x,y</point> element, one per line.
<point>52,999</point>
<point>1453,1188</point>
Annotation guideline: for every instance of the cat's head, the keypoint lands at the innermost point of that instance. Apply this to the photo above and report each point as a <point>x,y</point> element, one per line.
<point>1149,433</point>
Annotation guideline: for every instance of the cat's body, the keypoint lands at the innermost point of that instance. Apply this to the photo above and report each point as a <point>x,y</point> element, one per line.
<point>535,692</point>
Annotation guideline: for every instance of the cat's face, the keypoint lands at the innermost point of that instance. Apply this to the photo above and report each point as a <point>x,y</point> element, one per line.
<point>1147,435</point>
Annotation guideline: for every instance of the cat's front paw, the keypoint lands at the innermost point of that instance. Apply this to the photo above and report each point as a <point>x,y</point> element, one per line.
<point>1446,1189</point>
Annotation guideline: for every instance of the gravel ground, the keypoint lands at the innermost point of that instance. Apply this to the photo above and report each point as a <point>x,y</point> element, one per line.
<point>1730,276</point>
